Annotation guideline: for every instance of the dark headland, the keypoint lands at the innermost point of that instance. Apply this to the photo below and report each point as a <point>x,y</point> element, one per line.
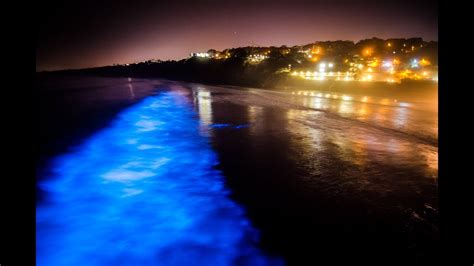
<point>373,60</point>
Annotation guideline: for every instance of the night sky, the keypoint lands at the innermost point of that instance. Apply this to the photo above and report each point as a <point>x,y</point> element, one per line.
<point>79,34</point>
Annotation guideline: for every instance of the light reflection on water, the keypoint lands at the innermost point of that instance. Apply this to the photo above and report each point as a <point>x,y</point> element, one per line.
<point>255,119</point>
<point>384,112</point>
<point>369,140</point>
<point>361,167</point>
<point>203,99</point>
<point>144,192</point>
<point>131,88</point>
<point>317,138</point>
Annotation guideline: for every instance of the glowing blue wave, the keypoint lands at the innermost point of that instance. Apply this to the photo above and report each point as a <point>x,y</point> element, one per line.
<point>144,192</point>
<point>228,126</point>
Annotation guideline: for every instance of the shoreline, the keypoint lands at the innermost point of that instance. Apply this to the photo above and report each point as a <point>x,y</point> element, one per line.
<point>408,90</point>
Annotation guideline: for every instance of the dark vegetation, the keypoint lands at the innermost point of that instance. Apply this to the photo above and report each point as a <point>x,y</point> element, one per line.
<point>232,66</point>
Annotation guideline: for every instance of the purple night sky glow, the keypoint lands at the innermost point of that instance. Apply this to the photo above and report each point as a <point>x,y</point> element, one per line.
<point>87,34</point>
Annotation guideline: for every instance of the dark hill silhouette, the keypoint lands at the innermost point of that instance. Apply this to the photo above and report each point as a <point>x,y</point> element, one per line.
<point>235,68</point>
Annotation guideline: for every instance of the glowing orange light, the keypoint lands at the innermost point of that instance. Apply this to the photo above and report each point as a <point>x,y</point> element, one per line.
<point>424,62</point>
<point>385,101</point>
<point>316,50</point>
<point>374,63</point>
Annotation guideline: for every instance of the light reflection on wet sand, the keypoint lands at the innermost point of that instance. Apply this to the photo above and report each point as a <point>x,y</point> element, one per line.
<point>391,113</point>
<point>375,155</point>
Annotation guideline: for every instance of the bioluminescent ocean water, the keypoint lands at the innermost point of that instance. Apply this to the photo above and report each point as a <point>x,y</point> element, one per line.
<point>144,191</point>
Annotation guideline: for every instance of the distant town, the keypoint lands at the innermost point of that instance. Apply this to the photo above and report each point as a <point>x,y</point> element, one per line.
<point>370,60</point>
<point>374,59</point>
